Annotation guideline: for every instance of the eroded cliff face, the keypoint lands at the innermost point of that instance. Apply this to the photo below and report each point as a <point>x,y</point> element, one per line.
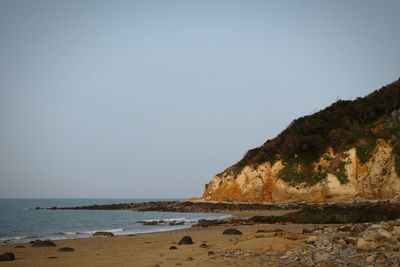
<point>375,179</point>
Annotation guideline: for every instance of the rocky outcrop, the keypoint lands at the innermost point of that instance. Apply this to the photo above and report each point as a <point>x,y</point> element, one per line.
<point>375,179</point>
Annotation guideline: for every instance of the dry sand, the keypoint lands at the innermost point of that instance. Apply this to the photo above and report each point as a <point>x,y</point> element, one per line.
<point>153,249</point>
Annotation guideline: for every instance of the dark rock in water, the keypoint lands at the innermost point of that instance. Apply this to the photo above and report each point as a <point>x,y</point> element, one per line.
<point>105,234</point>
<point>206,223</point>
<point>172,248</point>
<point>232,232</point>
<point>38,208</point>
<point>19,246</point>
<point>66,249</point>
<point>150,223</point>
<point>185,206</point>
<point>43,244</point>
<point>186,240</point>
<point>8,256</point>
<point>176,223</point>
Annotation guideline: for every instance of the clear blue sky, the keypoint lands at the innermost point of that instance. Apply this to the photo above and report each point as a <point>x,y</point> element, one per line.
<point>152,98</point>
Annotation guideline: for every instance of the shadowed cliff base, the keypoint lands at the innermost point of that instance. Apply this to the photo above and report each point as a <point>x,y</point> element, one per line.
<point>322,214</point>
<point>331,213</point>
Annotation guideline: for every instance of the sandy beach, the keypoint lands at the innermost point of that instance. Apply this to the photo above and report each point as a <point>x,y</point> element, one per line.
<point>153,249</point>
<point>258,244</point>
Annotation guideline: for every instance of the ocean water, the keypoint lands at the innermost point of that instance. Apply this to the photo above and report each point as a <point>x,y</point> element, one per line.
<point>21,222</point>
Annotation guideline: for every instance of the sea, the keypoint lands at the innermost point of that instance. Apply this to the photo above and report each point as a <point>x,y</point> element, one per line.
<point>21,222</point>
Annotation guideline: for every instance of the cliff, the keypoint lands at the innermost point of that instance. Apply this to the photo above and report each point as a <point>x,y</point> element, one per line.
<point>350,149</point>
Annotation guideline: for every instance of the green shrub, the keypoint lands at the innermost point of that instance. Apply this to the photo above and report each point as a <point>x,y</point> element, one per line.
<point>341,173</point>
<point>364,152</point>
<point>290,175</point>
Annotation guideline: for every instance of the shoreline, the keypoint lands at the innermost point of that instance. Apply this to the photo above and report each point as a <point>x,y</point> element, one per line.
<point>261,244</point>
<point>94,251</point>
<point>229,214</point>
<point>160,225</point>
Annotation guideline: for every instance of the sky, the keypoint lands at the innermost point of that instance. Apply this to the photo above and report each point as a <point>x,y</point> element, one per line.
<point>151,99</point>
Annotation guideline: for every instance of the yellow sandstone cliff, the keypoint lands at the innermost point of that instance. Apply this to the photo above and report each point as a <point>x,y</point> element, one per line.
<point>375,179</point>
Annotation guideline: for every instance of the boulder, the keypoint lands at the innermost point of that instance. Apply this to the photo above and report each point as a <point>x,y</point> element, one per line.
<point>66,249</point>
<point>307,231</point>
<point>362,244</point>
<point>186,240</point>
<point>42,244</point>
<point>377,234</point>
<point>8,256</point>
<point>350,240</point>
<point>105,234</point>
<point>172,248</point>
<point>232,231</point>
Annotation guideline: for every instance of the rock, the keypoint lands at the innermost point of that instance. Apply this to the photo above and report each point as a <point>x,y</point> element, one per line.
<point>350,240</point>
<point>362,244</point>
<point>8,256</point>
<point>237,252</point>
<point>206,223</point>
<point>66,249</point>
<point>19,246</point>
<point>232,231</point>
<point>359,200</point>
<point>358,228</point>
<point>150,223</point>
<point>186,240</point>
<point>211,253</point>
<point>311,240</point>
<point>189,259</point>
<point>338,240</point>
<point>321,257</point>
<point>204,245</point>
<point>289,235</point>
<point>176,223</point>
<point>105,234</point>
<point>377,234</point>
<point>370,259</point>
<point>172,248</point>
<point>42,244</point>
<point>52,257</point>
<point>307,231</point>
<point>345,228</point>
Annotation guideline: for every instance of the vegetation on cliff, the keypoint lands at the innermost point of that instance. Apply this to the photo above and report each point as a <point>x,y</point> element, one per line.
<point>341,126</point>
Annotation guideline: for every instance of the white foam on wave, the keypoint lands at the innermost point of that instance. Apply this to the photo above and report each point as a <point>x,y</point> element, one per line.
<point>117,230</point>
<point>11,238</point>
